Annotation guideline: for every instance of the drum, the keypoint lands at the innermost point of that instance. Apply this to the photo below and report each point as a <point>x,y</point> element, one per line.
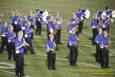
<point>87,13</point>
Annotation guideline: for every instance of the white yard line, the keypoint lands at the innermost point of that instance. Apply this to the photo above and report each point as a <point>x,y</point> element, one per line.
<point>2,67</point>
<point>8,72</point>
<point>7,65</point>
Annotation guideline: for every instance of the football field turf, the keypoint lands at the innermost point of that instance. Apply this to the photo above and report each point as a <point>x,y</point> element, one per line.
<point>35,65</point>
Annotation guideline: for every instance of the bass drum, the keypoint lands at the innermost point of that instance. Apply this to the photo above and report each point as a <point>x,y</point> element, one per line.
<point>103,15</point>
<point>87,13</point>
<point>113,14</point>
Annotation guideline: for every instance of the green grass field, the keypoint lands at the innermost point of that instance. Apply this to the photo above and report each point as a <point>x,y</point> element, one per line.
<point>35,65</point>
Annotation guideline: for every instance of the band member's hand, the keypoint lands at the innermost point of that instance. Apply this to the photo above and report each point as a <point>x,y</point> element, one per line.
<point>78,41</point>
<point>52,49</point>
<point>26,44</point>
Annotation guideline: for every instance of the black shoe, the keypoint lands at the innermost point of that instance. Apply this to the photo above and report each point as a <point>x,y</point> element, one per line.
<point>60,43</point>
<point>97,60</point>
<point>102,67</point>
<point>57,49</point>
<point>22,75</point>
<point>74,65</point>
<point>25,53</point>
<point>33,53</point>
<point>14,59</point>
<point>9,59</point>
<point>54,68</point>
<point>49,68</point>
<point>93,43</point>
<point>1,52</point>
<point>106,67</point>
<point>17,75</point>
<point>93,54</point>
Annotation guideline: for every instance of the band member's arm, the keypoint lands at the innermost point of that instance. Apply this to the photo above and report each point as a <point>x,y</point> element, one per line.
<point>12,37</point>
<point>24,44</point>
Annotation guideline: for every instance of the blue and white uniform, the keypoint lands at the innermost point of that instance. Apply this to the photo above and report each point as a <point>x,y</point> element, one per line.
<point>104,43</point>
<point>98,14</point>
<point>51,27</point>
<point>94,23</point>
<point>27,32</point>
<point>4,39</point>
<point>11,45</point>
<point>105,25</point>
<point>51,55</point>
<point>98,39</point>
<point>72,26</point>
<point>28,38</point>
<point>19,57</point>
<point>11,37</point>
<point>80,15</point>
<point>72,41</point>
<point>50,45</point>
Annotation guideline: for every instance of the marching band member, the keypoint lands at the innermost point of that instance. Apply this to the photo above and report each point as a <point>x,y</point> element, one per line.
<point>58,27</point>
<point>28,37</point>
<point>11,21</point>
<point>50,26</point>
<point>80,15</point>
<point>73,41</point>
<point>55,33</point>
<point>38,22</point>
<point>94,25</point>
<point>74,24</point>
<point>23,22</point>
<point>105,24</point>
<point>4,39</point>
<point>98,15</point>
<point>108,12</point>
<point>30,18</point>
<point>16,22</point>
<point>11,43</point>
<point>51,54</point>
<point>104,45</point>
<point>98,49</point>
<point>20,44</point>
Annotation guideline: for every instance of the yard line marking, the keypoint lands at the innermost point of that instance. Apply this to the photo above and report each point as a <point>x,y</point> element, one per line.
<point>7,65</point>
<point>90,46</point>
<point>2,67</point>
<point>89,64</point>
<point>8,72</point>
